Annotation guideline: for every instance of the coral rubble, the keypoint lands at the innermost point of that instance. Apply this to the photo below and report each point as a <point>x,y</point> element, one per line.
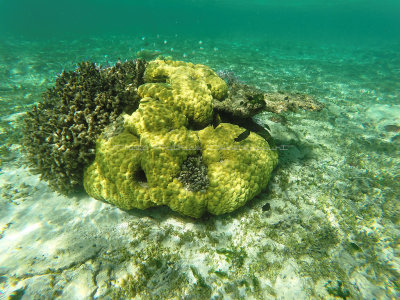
<point>282,101</point>
<point>245,101</point>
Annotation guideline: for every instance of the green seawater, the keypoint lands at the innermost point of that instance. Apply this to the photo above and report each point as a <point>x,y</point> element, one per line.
<point>333,221</point>
<point>326,21</point>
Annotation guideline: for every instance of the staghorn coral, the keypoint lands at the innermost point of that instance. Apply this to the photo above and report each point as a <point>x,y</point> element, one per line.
<point>60,132</point>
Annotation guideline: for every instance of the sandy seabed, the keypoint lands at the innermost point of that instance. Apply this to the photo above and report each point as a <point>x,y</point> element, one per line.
<point>332,229</point>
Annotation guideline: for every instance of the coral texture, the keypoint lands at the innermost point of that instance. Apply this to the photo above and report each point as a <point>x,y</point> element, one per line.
<point>281,102</point>
<point>60,132</point>
<point>188,87</point>
<point>193,174</point>
<point>243,101</point>
<point>159,159</point>
<point>150,169</point>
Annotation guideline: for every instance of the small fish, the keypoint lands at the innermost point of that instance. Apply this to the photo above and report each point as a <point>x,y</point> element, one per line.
<point>216,120</point>
<point>266,125</point>
<point>266,207</point>
<point>242,136</point>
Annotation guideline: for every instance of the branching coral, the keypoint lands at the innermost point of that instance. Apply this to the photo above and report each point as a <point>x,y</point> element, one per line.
<point>60,132</point>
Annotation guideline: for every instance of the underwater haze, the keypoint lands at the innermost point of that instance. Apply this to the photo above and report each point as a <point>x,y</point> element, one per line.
<point>351,21</point>
<point>315,215</point>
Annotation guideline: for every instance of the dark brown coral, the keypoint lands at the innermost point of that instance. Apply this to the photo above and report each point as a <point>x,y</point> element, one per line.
<point>60,132</point>
<point>193,174</point>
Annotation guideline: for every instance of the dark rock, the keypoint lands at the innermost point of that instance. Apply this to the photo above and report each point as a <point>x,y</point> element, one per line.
<point>250,125</point>
<point>243,101</point>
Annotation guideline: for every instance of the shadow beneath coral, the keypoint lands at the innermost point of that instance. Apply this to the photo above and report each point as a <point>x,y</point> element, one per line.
<point>160,214</point>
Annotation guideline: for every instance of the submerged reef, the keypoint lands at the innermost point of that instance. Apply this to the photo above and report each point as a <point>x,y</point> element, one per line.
<point>139,135</point>
<point>245,101</point>
<point>61,131</point>
<point>168,152</point>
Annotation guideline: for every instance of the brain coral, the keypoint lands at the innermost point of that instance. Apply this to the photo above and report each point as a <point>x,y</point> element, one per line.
<point>189,88</point>
<point>158,158</point>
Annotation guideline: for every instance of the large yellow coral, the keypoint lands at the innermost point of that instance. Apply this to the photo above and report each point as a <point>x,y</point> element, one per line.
<point>189,88</point>
<point>142,166</point>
